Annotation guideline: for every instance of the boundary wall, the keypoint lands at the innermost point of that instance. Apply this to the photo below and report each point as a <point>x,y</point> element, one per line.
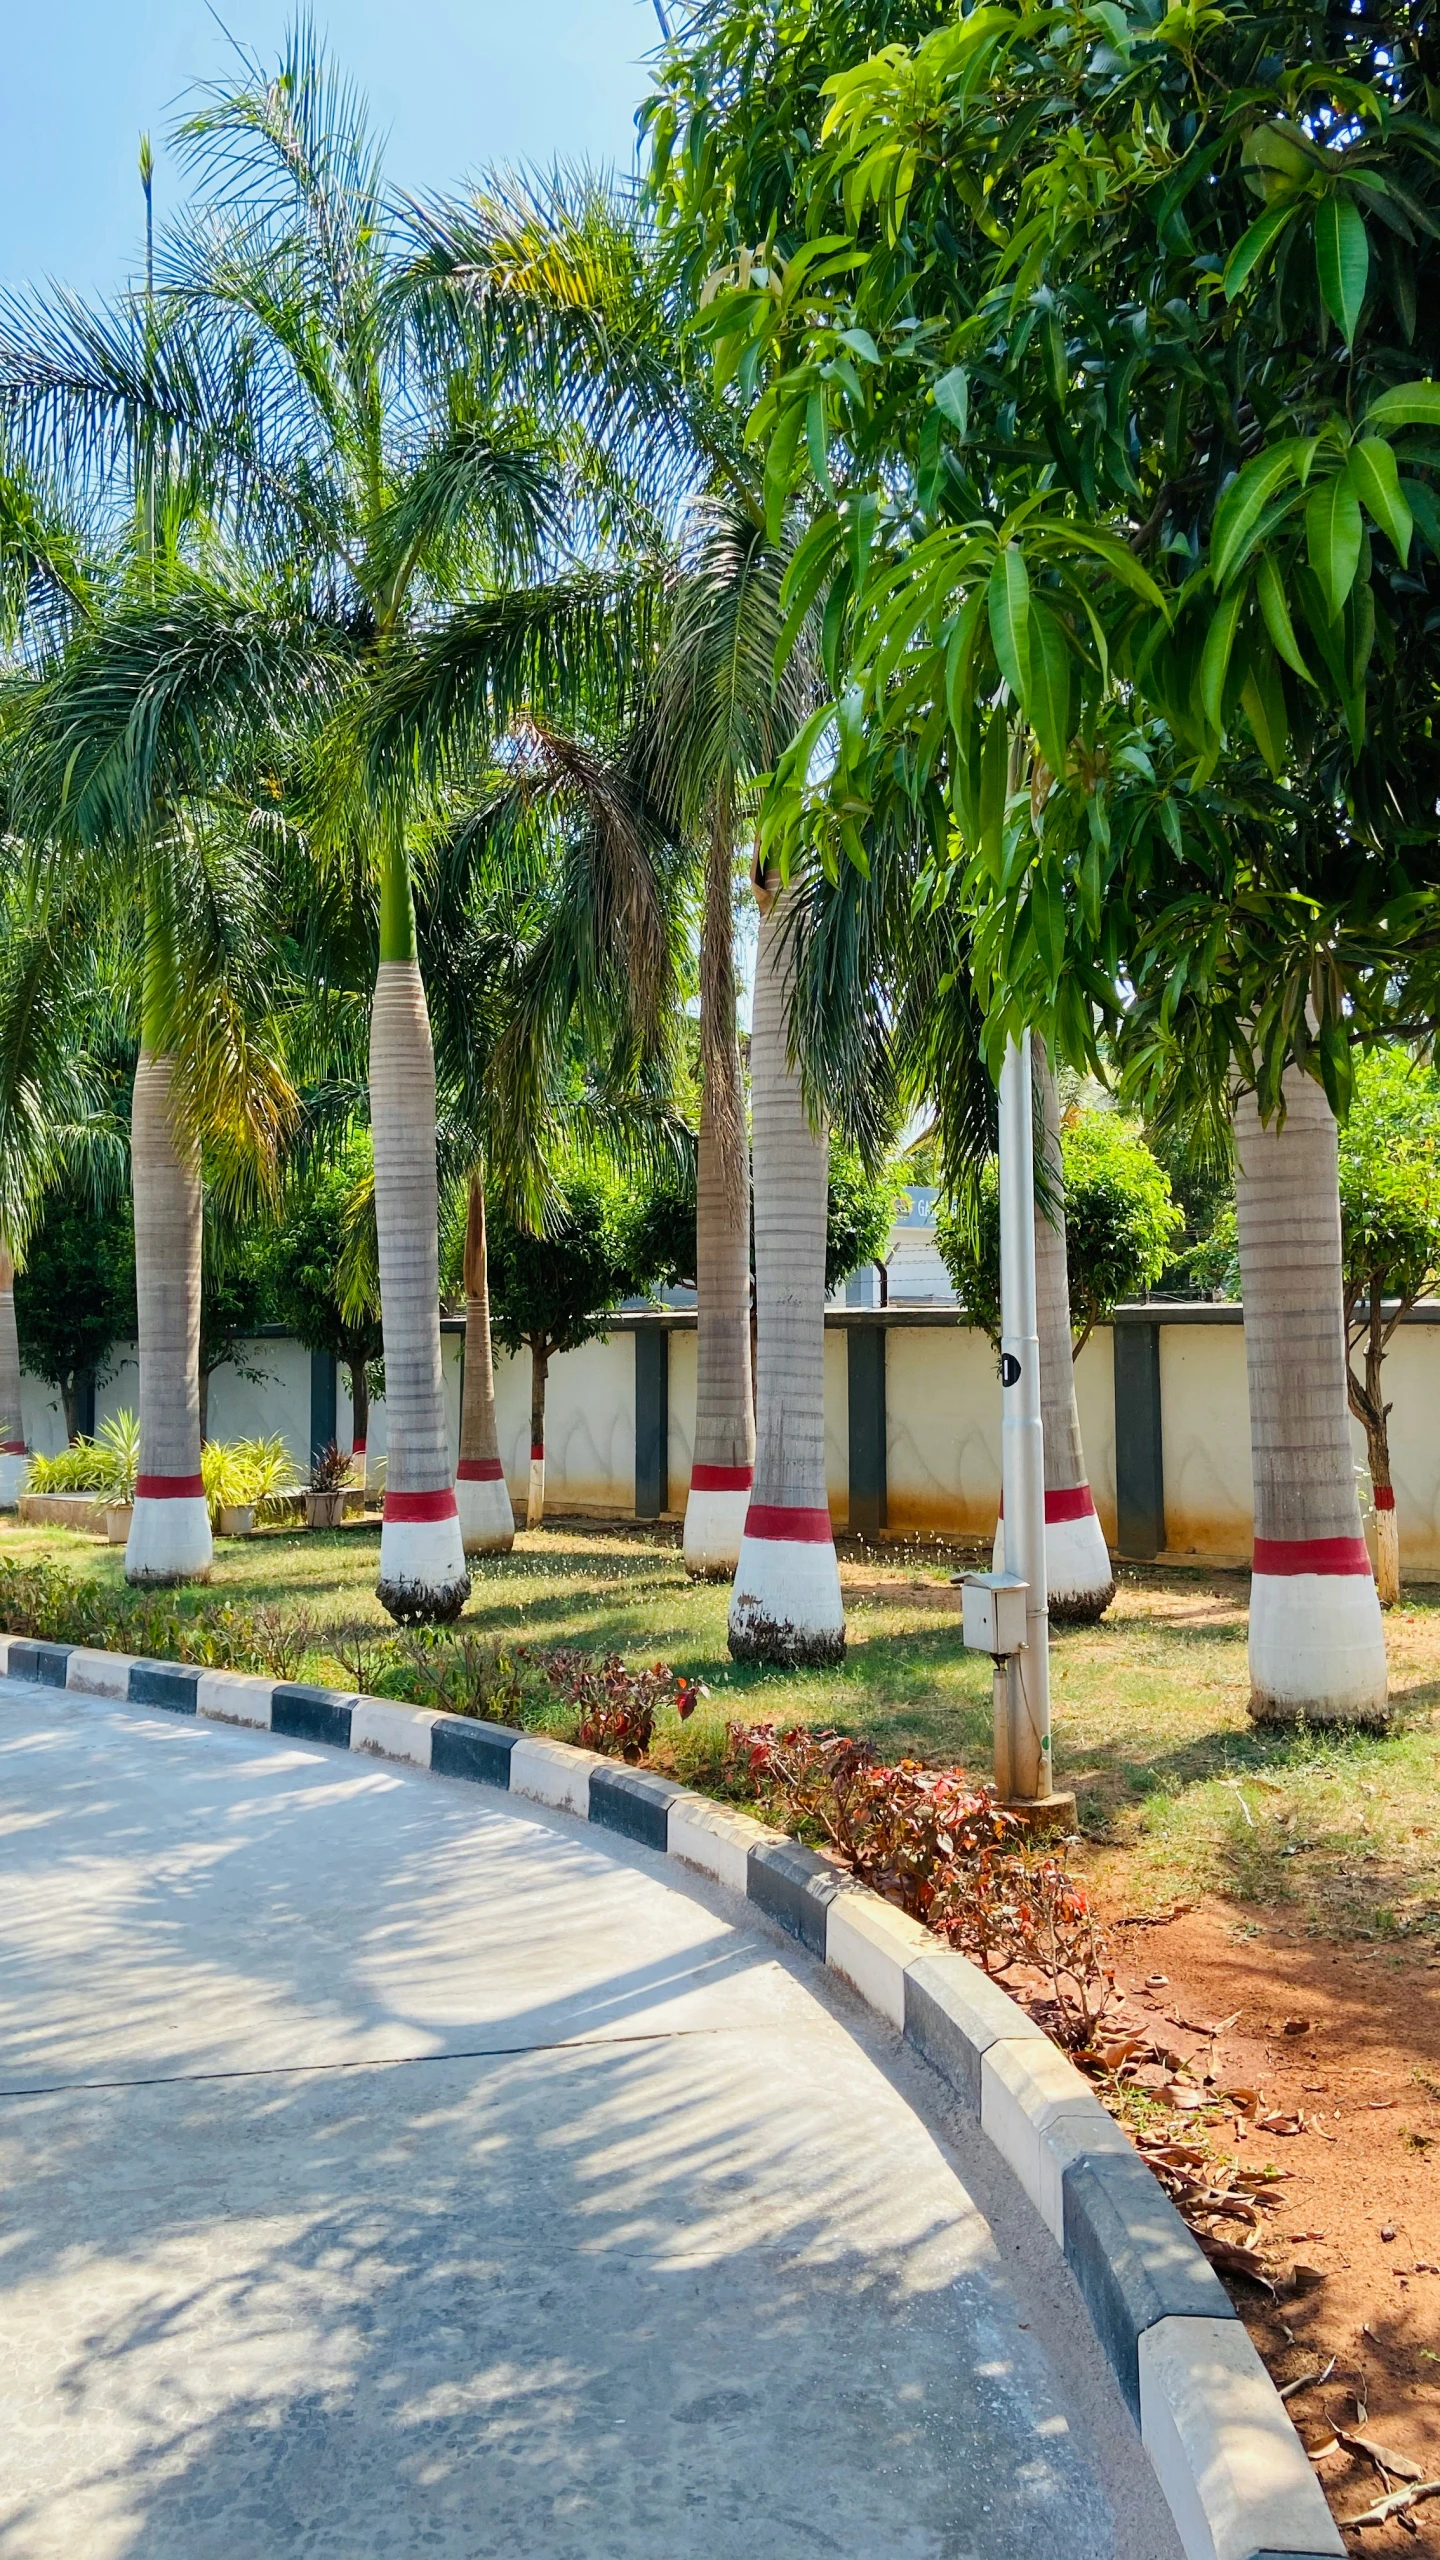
<point>912,1422</point>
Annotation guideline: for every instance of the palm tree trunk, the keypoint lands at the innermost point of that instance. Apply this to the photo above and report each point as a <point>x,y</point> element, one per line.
<point>170,1532</point>
<point>785,1606</point>
<point>12,1429</point>
<point>487,1523</point>
<point>422,1559</point>
<point>723,1466</point>
<point>1317,1649</point>
<point>359,1417</point>
<point>1077,1561</point>
<point>539,1376</point>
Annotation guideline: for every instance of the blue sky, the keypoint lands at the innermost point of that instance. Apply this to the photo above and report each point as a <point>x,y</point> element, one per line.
<point>456,83</point>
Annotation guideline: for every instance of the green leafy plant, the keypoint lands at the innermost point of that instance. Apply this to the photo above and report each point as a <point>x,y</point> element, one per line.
<point>241,1474</point>
<point>119,1437</point>
<point>618,1706</point>
<point>108,1464</point>
<point>329,1470</point>
<point>1120,1220</point>
<point>936,1843</point>
<point>82,1468</point>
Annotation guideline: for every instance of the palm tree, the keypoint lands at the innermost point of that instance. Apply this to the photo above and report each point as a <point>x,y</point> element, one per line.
<point>283,375</point>
<point>551,926</point>
<point>719,721</point>
<point>1317,1649</point>
<point>571,276</point>
<point>785,1605</point>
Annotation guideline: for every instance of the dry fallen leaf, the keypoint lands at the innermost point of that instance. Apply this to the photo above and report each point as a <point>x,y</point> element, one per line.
<point>1399,2465</point>
<point>1280,2124</point>
<point>1296,2027</point>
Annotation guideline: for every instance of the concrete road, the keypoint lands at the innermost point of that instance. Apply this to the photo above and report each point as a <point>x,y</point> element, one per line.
<point>389,2171</point>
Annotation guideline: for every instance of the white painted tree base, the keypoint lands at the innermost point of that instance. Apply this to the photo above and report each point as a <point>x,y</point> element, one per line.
<point>715,1527</point>
<point>169,1539</point>
<point>487,1523</point>
<point>1387,1555</point>
<point>1079,1580</point>
<point>422,1569</point>
<point>786,1604</point>
<point>13,1463</point>
<point>535,1496</point>
<point>1317,1649</point>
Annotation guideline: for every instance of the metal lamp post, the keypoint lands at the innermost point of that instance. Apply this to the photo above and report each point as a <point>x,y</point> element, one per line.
<point>1022,1716</point>
<point>1007,1614</point>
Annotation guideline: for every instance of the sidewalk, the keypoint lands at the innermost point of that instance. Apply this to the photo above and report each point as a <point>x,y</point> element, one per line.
<point>398,2173</point>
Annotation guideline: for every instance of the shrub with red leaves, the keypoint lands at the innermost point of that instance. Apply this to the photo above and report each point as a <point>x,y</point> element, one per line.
<point>617,1706</point>
<point>935,1842</point>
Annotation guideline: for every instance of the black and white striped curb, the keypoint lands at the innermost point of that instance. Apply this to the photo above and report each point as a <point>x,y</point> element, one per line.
<point>1231,2465</point>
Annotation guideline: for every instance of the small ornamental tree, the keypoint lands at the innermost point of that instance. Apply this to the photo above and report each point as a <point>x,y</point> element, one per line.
<point>305,1258</point>
<point>1120,1221</point>
<point>235,1301</point>
<point>860,1212</point>
<point>553,1292</point>
<point>75,1298</point>
<point>1390,1247</point>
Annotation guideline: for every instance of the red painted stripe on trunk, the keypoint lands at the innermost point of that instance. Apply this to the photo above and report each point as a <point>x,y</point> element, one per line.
<point>1384,1497</point>
<point>1069,1502</point>
<point>805,1526</point>
<point>12,1448</point>
<point>421,1506</point>
<point>357,1448</point>
<point>721,1479</point>
<point>1311,1555</point>
<point>537,1452</point>
<point>480,1471</point>
<point>169,1488</point>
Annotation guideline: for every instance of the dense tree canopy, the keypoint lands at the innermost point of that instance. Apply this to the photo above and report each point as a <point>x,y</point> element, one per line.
<point>1120,1223</point>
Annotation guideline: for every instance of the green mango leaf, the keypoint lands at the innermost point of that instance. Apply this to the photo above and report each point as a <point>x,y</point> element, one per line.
<point>780,466</point>
<point>1375,478</point>
<point>960,664</point>
<point>1250,248</point>
<point>1271,590</point>
<point>994,791</point>
<point>1047,918</point>
<point>1250,492</point>
<point>1342,261</point>
<point>862,344</point>
<point>952,396</point>
<point>1421,502</point>
<point>1410,404</point>
<point>1332,537</point>
<point>1047,704</point>
<point>1215,657</point>
<point>1009,602</point>
<point>1262,698</point>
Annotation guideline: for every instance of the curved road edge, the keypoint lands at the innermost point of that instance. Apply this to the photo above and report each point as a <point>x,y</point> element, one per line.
<point>1228,2460</point>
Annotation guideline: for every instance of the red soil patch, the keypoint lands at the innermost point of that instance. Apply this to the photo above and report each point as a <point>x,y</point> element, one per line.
<point>1364,2075</point>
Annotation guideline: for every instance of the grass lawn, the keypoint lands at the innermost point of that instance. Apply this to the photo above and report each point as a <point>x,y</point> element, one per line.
<point>1178,1793</point>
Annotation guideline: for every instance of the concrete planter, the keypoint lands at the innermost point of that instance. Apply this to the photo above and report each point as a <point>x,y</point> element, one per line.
<point>117,1517</point>
<point>237,1519</point>
<point>64,1511</point>
<point>324,1510</point>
